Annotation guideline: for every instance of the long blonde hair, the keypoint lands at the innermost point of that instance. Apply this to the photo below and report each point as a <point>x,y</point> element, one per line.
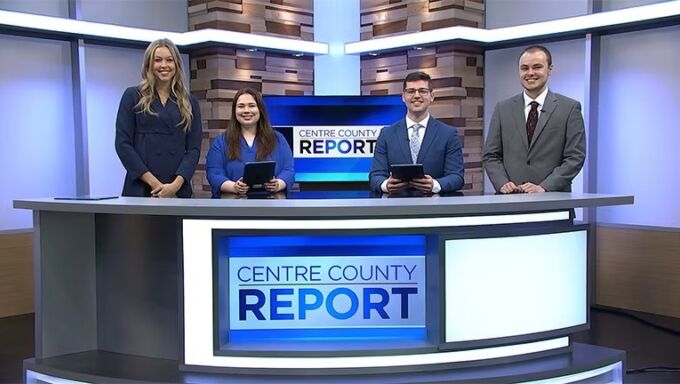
<point>177,87</point>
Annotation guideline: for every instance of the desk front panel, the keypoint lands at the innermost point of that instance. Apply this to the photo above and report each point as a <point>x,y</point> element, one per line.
<point>367,293</point>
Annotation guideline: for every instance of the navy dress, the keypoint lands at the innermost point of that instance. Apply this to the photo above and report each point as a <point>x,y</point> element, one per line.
<point>156,144</point>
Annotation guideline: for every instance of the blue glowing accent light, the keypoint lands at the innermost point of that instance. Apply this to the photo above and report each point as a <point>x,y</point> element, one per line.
<point>303,177</point>
<point>321,246</point>
<point>329,334</point>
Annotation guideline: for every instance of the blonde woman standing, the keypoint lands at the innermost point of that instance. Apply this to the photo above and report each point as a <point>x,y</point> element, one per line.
<point>158,128</point>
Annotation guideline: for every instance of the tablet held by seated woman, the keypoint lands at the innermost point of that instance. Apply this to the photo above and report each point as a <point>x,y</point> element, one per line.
<point>158,128</point>
<point>249,137</point>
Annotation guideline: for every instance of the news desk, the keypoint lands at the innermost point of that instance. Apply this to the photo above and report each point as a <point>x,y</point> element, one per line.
<point>452,289</point>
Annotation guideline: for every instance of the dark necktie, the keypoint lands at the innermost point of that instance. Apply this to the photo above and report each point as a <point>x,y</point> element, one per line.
<point>532,119</point>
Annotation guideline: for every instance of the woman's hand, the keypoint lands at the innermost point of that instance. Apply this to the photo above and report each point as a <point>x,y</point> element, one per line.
<point>239,187</point>
<point>275,185</point>
<point>168,190</point>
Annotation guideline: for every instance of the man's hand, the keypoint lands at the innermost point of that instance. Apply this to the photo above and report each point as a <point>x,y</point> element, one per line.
<point>510,187</point>
<point>423,184</point>
<point>531,188</point>
<point>395,185</point>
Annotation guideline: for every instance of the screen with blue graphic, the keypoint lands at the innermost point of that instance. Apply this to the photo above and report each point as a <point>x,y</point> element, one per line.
<point>333,137</point>
<point>319,288</point>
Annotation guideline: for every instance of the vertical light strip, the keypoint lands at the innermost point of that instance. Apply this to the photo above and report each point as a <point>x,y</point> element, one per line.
<point>337,22</point>
<point>590,113</point>
<point>82,164</point>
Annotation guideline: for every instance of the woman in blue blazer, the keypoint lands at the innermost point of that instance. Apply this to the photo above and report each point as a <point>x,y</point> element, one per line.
<point>158,128</point>
<point>249,137</point>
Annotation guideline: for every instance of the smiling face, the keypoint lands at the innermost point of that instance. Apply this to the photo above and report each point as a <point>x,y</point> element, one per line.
<point>534,71</point>
<point>417,96</point>
<point>164,66</point>
<point>246,110</point>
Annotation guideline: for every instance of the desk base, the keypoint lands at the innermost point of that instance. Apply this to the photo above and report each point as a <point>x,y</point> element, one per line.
<point>584,362</point>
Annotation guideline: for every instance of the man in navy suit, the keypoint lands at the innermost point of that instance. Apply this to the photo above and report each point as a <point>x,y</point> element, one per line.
<point>418,139</point>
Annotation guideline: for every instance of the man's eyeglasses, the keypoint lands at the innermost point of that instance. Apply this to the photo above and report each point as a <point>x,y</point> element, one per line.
<point>412,91</point>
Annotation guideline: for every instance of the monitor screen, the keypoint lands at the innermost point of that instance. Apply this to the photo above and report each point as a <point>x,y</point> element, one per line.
<point>333,137</point>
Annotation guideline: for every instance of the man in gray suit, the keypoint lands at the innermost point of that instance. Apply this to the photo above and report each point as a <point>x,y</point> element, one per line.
<point>536,140</point>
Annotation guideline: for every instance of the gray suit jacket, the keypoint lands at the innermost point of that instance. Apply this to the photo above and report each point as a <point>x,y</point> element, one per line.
<point>552,159</point>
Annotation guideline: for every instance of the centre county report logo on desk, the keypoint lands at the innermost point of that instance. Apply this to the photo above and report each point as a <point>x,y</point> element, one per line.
<point>350,283</point>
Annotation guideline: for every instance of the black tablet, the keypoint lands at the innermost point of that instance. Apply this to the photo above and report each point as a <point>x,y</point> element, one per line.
<point>406,172</point>
<point>258,172</point>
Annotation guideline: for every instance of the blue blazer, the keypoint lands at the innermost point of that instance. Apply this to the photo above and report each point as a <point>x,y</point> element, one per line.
<point>156,144</point>
<point>440,153</point>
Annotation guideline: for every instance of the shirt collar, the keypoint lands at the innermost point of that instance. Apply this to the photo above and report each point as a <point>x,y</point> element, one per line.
<point>540,99</point>
<point>423,123</point>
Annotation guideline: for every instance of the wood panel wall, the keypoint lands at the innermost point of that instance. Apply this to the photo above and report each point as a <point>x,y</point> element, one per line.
<point>638,269</point>
<point>457,70</point>
<point>218,72</point>
<point>381,18</point>
<point>16,273</point>
<point>286,18</point>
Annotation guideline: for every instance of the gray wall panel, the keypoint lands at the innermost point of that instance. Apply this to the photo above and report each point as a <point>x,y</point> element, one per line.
<point>508,13</point>
<point>638,132</point>
<point>56,8</point>
<point>37,152</point>
<point>109,70</point>
<point>611,5</point>
<point>164,15</point>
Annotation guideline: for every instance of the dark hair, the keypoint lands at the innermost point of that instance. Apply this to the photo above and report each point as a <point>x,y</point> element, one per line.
<point>535,48</point>
<point>415,76</point>
<point>265,136</point>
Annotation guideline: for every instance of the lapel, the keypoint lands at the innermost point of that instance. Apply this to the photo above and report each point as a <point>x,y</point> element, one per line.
<point>168,113</point>
<point>402,139</point>
<point>430,134</point>
<point>546,110</point>
<point>520,119</point>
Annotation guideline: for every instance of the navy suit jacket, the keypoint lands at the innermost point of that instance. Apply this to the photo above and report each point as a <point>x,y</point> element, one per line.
<point>441,154</point>
<point>156,144</point>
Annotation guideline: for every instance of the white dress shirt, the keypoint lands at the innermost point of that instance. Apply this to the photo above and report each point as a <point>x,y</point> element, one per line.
<point>540,100</point>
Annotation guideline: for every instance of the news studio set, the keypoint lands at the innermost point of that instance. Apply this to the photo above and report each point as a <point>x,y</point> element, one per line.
<point>328,281</point>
